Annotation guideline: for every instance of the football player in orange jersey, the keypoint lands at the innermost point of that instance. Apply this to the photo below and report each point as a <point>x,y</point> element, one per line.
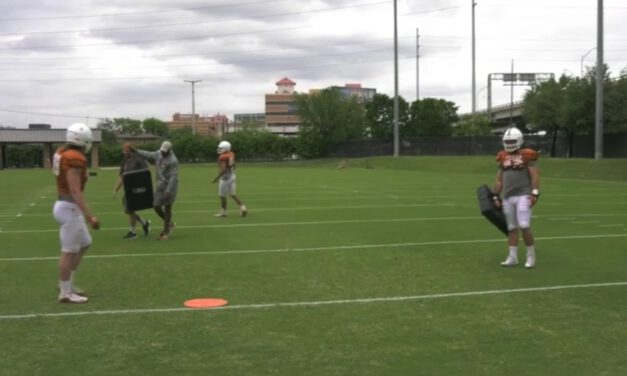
<point>69,165</point>
<point>226,175</point>
<point>518,180</point>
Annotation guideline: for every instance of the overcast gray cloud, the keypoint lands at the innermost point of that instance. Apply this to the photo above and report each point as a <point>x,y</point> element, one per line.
<point>72,60</point>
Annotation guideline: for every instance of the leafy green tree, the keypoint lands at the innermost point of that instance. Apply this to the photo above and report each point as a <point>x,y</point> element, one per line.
<point>543,105</point>
<point>108,130</point>
<point>615,108</point>
<point>155,126</point>
<point>430,117</point>
<point>129,126</point>
<point>327,117</point>
<point>472,125</point>
<point>380,116</point>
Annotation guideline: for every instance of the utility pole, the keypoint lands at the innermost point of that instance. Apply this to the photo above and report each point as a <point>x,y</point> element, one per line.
<point>396,130</point>
<point>417,65</point>
<point>599,115</point>
<point>511,97</point>
<point>193,82</point>
<point>474,83</point>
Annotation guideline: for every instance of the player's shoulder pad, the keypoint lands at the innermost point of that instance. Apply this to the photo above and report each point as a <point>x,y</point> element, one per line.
<point>501,156</point>
<point>74,158</point>
<point>529,154</point>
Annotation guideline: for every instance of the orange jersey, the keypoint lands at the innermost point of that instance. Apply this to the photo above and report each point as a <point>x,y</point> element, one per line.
<point>65,159</point>
<point>518,160</point>
<point>228,158</point>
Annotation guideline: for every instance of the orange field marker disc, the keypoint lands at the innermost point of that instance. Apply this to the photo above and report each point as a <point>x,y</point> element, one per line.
<point>205,303</point>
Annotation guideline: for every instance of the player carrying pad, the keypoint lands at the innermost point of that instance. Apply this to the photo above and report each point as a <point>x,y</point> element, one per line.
<point>489,209</point>
<point>138,189</point>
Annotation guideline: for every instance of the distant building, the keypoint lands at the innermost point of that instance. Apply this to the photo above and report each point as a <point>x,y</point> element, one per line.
<point>365,95</point>
<point>213,126</point>
<point>257,120</point>
<point>39,126</point>
<point>281,117</point>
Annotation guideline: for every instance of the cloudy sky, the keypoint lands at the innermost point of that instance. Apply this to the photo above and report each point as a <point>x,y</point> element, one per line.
<point>72,60</point>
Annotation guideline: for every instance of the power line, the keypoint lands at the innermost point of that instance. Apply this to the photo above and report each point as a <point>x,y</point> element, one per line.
<point>212,22</point>
<point>143,13</point>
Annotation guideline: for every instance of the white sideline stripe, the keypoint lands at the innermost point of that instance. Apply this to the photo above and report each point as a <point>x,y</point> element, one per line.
<point>119,212</point>
<point>270,224</point>
<point>315,303</point>
<point>616,225</point>
<point>343,221</point>
<point>311,249</point>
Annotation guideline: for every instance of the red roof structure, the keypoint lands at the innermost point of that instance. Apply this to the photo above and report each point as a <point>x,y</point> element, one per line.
<point>286,81</point>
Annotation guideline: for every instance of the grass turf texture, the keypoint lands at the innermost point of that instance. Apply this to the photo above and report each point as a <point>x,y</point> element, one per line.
<point>379,229</point>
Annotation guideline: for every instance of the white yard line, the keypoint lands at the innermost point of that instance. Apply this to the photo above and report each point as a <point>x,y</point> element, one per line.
<point>313,249</point>
<point>314,223</point>
<point>278,305</point>
<point>305,208</point>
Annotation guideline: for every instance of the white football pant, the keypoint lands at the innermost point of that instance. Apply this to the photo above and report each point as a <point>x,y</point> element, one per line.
<point>73,234</point>
<point>517,210</point>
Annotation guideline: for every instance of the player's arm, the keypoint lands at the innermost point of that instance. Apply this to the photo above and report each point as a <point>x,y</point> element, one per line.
<point>534,174</point>
<point>74,184</point>
<point>498,187</point>
<point>223,168</point>
<point>150,155</point>
<point>117,186</point>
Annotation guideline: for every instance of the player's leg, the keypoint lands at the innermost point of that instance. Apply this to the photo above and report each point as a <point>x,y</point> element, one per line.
<point>71,235</point>
<point>131,234</point>
<point>167,218</point>
<point>509,209</point>
<point>233,193</point>
<point>523,212</point>
<point>223,191</point>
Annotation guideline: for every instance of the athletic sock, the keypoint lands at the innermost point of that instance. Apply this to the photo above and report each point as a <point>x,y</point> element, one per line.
<point>531,250</point>
<point>513,251</point>
<point>66,287</point>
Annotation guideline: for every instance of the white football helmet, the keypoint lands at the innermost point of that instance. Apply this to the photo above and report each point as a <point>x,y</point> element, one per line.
<point>512,139</point>
<point>80,135</point>
<point>223,147</point>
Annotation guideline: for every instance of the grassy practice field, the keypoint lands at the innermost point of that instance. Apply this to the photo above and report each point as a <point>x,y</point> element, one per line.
<point>385,267</point>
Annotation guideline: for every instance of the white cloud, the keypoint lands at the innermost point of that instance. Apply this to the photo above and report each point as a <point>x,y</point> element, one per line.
<point>129,58</point>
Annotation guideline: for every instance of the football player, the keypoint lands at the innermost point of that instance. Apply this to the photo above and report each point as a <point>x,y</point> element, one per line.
<point>226,175</point>
<point>69,166</point>
<point>166,167</point>
<point>518,181</point>
<point>131,162</point>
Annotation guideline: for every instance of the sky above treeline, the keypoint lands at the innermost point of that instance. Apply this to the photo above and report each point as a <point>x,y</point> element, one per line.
<point>69,61</point>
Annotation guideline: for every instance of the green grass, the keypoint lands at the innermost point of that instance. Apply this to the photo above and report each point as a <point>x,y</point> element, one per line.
<point>340,244</point>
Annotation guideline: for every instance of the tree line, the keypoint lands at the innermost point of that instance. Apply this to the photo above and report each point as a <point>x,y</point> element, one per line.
<point>566,106</point>
<point>562,107</point>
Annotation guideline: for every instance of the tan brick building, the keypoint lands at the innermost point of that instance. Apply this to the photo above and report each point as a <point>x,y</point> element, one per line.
<point>213,126</point>
<point>281,115</point>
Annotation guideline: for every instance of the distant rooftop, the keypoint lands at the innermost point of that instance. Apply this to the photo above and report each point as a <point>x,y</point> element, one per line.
<point>33,136</point>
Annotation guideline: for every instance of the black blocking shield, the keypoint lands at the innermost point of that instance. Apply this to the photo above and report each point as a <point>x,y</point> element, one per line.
<point>489,209</point>
<point>138,189</point>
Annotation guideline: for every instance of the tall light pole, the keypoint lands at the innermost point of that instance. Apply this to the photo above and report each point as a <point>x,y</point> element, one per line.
<point>474,83</point>
<point>193,82</point>
<point>584,56</point>
<point>396,136</point>
<point>598,134</point>
<point>511,97</point>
